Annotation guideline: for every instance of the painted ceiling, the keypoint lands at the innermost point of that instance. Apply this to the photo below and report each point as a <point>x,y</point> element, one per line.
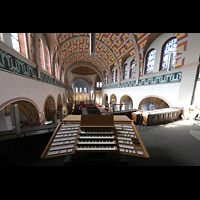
<point>84,70</point>
<point>110,48</point>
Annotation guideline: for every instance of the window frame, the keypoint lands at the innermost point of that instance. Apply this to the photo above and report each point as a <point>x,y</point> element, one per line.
<point>146,59</point>
<point>132,69</point>
<point>125,65</point>
<point>113,76</point>
<point>16,39</point>
<point>116,76</point>
<point>162,52</point>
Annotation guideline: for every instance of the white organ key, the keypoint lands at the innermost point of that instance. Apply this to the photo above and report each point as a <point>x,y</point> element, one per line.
<point>118,126</point>
<point>57,143</point>
<point>64,139</point>
<point>126,146</point>
<point>140,152</point>
<point>96,132</point>
<point>97,142</point>
<point>53,153</point>
<point>70,126</point>
<point>63,151</point>
<point>58,136</point>
<point>96,137</point>
<point>123,138</point>
<point>63,132</point>
<point>128,129</point>
<point>96,148</point>
<point>122,131</point>
<point>127,126</point>
<point>61,147</point>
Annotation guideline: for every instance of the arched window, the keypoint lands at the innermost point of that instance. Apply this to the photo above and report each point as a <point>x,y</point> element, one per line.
<point>42,55</point>
<point>150,61</point>
<point>132,69</point>
<point>113,76</point>
<point>169,54</point>
<point>106,80</point>
<point>116,75</point>
<point>15,41</point>
<point>125,71</point>
<point>48,60</point>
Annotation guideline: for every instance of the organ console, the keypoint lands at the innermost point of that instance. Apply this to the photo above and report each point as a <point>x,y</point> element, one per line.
<point>94,135</point>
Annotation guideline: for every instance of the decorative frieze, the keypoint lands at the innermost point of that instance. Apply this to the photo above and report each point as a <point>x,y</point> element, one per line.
<point>13,64</point>
<point>162,79</point>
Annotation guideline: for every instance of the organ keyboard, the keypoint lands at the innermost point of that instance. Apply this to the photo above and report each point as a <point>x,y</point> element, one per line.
<point>81,135</point>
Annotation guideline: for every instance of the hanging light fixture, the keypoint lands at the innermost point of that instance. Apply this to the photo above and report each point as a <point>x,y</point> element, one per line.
<point>92,44</point>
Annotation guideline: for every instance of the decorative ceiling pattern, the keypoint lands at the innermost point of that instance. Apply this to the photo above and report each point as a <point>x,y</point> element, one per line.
<point>84,70</point>
<point>84,57</point>
<point>110,48</point>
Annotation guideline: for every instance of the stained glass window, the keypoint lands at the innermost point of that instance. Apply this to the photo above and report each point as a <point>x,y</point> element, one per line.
<point>132,70</point>
<point>15,41</point>
<point>113,76</point>
<point>116,75</point>
<point>125,71</point>
<point>169,54</point>
<point>150,61</point>
<point>42,54</point>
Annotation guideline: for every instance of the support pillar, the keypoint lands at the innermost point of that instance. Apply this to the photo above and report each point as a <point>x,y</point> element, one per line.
<point>17,119</point>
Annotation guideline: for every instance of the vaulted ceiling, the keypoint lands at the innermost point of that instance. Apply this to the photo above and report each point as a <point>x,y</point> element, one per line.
<point>111,48</point>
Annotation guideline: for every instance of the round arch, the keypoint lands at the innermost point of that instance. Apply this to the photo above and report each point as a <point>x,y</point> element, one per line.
<point>82,63</point>
<point>153,102</point>
<point>126,102</point>
<point>113,100</point>
<point>105,101</point>
<point>50,108</point>
<point>28,109</point>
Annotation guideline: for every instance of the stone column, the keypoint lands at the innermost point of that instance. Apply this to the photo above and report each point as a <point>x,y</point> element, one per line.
<point>17,119</point>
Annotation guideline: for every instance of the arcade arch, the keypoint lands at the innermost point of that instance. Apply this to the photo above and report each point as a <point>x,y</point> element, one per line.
<point>50,109</point>
<point>113,101</point>
<point>126,102</point>
<point>152,103</point>
<point>28,114</point>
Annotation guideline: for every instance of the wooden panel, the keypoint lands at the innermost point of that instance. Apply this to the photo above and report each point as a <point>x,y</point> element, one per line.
<point>97,121</point>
